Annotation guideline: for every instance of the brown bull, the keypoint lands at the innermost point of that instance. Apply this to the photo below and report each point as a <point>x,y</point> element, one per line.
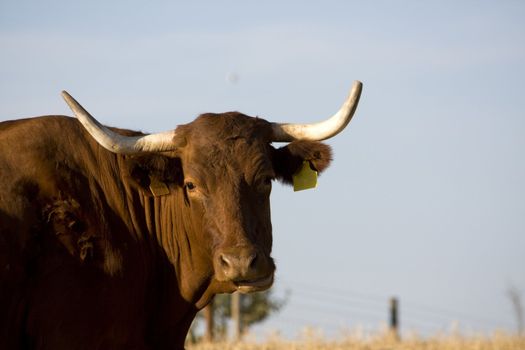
<point>112,239</point>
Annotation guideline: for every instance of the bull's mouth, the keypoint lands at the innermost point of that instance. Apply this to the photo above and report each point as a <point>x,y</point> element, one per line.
<point>257,285</point>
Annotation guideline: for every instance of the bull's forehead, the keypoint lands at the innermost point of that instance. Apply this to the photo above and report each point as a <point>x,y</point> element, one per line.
<point>224,126</point>
<point>229,145</point>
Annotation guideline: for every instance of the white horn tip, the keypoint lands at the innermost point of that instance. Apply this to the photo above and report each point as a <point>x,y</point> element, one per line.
<point>357,86</point>
<point>68,98</point>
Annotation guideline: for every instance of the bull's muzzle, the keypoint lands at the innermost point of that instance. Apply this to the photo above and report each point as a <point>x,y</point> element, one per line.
<point>249,270</point>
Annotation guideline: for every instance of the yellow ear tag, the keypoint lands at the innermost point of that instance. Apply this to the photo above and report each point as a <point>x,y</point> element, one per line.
<point>158,188</point>
<point>305,178</point>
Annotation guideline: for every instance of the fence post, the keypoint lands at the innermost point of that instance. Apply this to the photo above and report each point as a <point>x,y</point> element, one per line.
<point>208,315</point>
<point>236,315</point>
<point>394,317</point>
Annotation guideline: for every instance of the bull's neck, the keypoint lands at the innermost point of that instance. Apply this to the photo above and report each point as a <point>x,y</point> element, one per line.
<point>169,222</point>
<point>162,224</point>
<point>158,228</point>
<point>165,223</point>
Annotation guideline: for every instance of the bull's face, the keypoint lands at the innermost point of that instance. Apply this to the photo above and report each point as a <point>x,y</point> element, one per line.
<point>227,166</point>
<point>227,173</point>
<point>221,168</point>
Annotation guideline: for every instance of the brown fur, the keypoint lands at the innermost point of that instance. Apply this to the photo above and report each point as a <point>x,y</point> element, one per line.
<point>91,258</point>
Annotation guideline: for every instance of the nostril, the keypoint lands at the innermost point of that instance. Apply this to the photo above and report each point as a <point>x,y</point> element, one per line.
<point>253,262</point>
<point>243,264</point>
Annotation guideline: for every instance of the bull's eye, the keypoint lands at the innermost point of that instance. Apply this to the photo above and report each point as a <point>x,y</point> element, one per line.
<point>189,186</point>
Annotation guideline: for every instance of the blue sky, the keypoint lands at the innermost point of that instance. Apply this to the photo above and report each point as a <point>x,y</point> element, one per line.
<point>426,197</point>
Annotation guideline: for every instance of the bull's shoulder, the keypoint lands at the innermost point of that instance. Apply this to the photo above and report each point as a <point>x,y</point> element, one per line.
<point>30,150</point>
<point>34,166</point>
<point>48,169</point>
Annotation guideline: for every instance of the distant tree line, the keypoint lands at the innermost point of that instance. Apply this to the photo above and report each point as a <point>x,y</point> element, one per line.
<point>253,308</point>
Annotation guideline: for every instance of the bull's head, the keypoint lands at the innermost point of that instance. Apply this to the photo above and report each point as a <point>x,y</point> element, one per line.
<point>223,172</point>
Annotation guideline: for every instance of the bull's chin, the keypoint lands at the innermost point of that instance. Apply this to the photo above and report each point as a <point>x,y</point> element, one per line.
<point>252,286</point>
<point>249,286</point>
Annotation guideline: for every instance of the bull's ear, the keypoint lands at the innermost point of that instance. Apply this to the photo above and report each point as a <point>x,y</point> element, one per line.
<point>154,172</point>
<point>288,159</point>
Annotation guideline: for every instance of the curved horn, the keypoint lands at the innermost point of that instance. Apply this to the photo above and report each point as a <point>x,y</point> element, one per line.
<point>118,143</point>
<point>323,130</point>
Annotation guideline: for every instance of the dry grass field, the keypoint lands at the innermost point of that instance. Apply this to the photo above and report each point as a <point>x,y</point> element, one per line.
<point>496,341</point>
